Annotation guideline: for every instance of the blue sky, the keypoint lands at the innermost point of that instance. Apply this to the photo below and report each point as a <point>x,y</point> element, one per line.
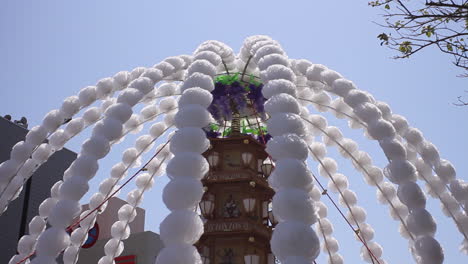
<point>49,50</point>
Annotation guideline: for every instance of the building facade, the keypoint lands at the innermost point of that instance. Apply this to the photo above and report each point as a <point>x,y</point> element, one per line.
<point>237,203</point>
<point>20,211</point>
<point>142,247</point>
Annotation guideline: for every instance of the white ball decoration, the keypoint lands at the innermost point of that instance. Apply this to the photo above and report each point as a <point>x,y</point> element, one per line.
<point>421,223</point>
<point>191,188</point>
<point>284,123</point>
<point>53,120</point>
<point>63,213</point>
<point>399,171</point>
<point>198,80</point>
<point>282,103</point>
<point>178,254</point>
<point>91,115</point>
<point>53,241</point>
<point>104,87</point>
<point>202,66</point>
<point>342,87</point>
<point>37,225</point>
<point>97,146</point>
<point>118,170</point>
<point>149,112</point>
<point>74,188</point>
<point>294,239</point>
<point>445,170</point>
<point>127,213</point>
<point>172,234</point>
<point>190,139</point>
<point>381,129</point>
<point>85,166</point>
<point>120,230</point>
<point>42,153</point>
<point>411,195</point>
<point>108,185</point>
<point>113,247</point>
<point>75,126</point>
<point>87,95</point>
<point>70,253</point>
<point>291,173</point>
<point>26,244</point>
<point>293,205</point>
<point>110,128</point>
<point>36,135</point>
<point>428,250</point>
<point>287,146</point>
<point>157,129</point>
<point>129,156</point>
<point>192,116</point>
<point>144,181</point>
<point>70,106</point>
<point>329,76</point>
<point>144,143</point>
<point>187,164</point>
<point>272,59</point>
<point>196,96</point>
<point>135,197</point>
<point>46,206</point>
<point>279,86</point>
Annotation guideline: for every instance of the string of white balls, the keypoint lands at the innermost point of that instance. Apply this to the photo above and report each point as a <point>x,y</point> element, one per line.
<point>120,230</point>
<point>59,138</point>
<point>448,203</point>
<point>338,183</point>
<point>74,126</point>
<point>188,166</point>
<point>54,239</point>
<point>432,190</point>
<point>349,150</point>
<point>400,170</point>
<point>130,158</point>
<point>325,228</point>
<point>54,119</point>
<point>33,145</point>
<point>143,144</point>
<point>26,244</point>
<point>293,240</point>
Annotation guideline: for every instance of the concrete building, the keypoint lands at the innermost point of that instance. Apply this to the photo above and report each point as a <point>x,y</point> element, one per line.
<point>141,247</point>
<point>16,219</point>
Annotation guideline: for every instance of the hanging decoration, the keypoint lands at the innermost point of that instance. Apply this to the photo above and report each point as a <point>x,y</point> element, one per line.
<point>217,93</point>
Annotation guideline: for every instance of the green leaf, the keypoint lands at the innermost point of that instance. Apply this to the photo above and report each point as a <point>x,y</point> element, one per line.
<point>449,47</point>
<point>405,47</point>
<point>384,38</point>
<point>214,127</point>
<point>227,132</point>
<point>387,6</point>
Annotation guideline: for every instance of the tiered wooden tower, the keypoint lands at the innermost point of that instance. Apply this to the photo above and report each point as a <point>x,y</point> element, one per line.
<point>236,204</point>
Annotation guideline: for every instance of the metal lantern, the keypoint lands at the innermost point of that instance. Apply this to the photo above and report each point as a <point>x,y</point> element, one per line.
<point>272,218</point>
<point>251,259</point>
<point>259,165</point>
<point>265,212</point>
<point>267,167</point>
<point>213,159</point>
<point>249,204</point>
<point>206,207</point>
<point>247,158</point>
